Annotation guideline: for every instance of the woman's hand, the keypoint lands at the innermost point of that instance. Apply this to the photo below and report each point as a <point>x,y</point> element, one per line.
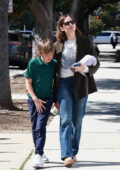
<point>55,105</point>
<point>80,68</point>
<point>39,104</point>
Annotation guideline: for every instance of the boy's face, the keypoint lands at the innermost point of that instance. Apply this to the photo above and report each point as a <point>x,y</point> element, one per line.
<point>46,58</point>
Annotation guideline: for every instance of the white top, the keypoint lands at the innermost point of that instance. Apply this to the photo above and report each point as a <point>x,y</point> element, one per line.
<point>68,58</point>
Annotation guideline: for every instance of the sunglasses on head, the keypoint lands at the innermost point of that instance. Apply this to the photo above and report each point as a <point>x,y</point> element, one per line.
<point>69,22</point>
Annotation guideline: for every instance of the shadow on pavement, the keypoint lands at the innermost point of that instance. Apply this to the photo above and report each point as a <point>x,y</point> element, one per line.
<point>111,67</point>
<point>103,108</point>
<point>95,163</point>
<point>4,138</point>
<point>82,164</point>
<point>108,84</point>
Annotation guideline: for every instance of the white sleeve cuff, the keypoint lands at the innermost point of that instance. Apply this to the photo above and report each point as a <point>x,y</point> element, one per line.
<point>86,70</point>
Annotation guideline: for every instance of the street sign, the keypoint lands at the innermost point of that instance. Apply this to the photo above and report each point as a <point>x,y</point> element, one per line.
<point>10,6</point>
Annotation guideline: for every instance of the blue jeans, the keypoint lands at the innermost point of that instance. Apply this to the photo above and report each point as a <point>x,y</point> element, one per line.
<point>39,122</point>
<point>72,112</point>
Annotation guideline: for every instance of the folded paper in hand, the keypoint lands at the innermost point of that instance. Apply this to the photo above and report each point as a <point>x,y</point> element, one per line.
<point>87,60</point>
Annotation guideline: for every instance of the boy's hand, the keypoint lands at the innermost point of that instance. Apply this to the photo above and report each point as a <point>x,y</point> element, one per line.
<point>39,104</point>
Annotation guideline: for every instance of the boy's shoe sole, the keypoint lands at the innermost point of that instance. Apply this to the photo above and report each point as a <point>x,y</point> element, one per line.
<point>45,161</point>
<point>68,162</point>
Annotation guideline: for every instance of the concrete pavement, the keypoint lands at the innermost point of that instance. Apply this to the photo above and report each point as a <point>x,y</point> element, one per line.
<point>100,146</point>
<point>100,142</point>
<point>107,49</point>
<point>14,149</point>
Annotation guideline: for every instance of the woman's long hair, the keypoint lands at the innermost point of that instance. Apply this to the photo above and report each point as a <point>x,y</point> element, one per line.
<point>60,35</point>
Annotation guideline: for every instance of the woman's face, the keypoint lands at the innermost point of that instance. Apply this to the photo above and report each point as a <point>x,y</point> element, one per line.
<point>69,25</point>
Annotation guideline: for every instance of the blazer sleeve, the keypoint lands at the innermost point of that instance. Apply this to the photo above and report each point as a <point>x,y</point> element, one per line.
<point>93,69</point>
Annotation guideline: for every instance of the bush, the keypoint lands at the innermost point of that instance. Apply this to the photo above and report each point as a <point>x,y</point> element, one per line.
<point>96,25</point>
<point>117,56</point>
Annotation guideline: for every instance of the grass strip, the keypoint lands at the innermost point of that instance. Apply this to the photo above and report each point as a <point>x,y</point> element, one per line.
<point>23,164</point>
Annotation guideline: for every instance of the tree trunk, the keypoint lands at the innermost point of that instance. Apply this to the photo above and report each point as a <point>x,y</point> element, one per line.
<point>43,11</point>
<point>5,91</point>
<point>81,19</point>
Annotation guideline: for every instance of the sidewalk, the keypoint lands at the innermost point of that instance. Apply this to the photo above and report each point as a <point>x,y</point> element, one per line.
<point>107,49</point>
<point>100,146</point>
<point>100,141</point>
<point>14,149</point>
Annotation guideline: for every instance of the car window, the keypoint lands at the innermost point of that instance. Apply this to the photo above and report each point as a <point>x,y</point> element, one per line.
<point>104,34</point>
<point>117,34</point>
<point>13,37</point>
<point>29,33</point>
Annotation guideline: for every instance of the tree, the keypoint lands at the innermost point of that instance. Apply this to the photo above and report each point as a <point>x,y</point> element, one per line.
<point>62,6</point>
<point>43,10</point>
<point>96,25</point>
<point>109,14</point>
<point>106,18</point>
<point>81,9</point>
<point>21,13</point>
<point>5,91</point>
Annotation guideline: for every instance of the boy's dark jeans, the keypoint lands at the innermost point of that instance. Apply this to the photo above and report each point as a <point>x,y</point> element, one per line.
<point>39,122</point>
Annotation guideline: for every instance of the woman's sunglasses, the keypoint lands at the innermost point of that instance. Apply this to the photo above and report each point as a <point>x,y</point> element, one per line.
<point>69,22</point>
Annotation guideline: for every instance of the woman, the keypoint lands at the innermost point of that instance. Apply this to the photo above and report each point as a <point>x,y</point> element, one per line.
<point>72,87</point>
<point>114,40</point>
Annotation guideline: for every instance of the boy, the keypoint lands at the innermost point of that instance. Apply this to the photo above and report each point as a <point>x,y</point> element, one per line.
<point>39,81</point>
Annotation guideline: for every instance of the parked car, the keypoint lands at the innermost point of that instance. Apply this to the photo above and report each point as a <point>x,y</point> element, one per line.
<point>26,33</point>
<point>104,37</point>
<point>19,49</point>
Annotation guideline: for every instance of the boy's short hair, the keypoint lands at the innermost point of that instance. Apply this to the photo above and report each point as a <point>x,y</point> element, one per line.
<point>45,46</point>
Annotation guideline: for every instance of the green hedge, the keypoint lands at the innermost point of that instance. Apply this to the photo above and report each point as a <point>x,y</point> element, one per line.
<point>117,56</point>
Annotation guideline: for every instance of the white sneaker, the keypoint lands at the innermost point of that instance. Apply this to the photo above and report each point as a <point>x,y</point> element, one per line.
<point>44,158</point>
<point>38,163</point>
